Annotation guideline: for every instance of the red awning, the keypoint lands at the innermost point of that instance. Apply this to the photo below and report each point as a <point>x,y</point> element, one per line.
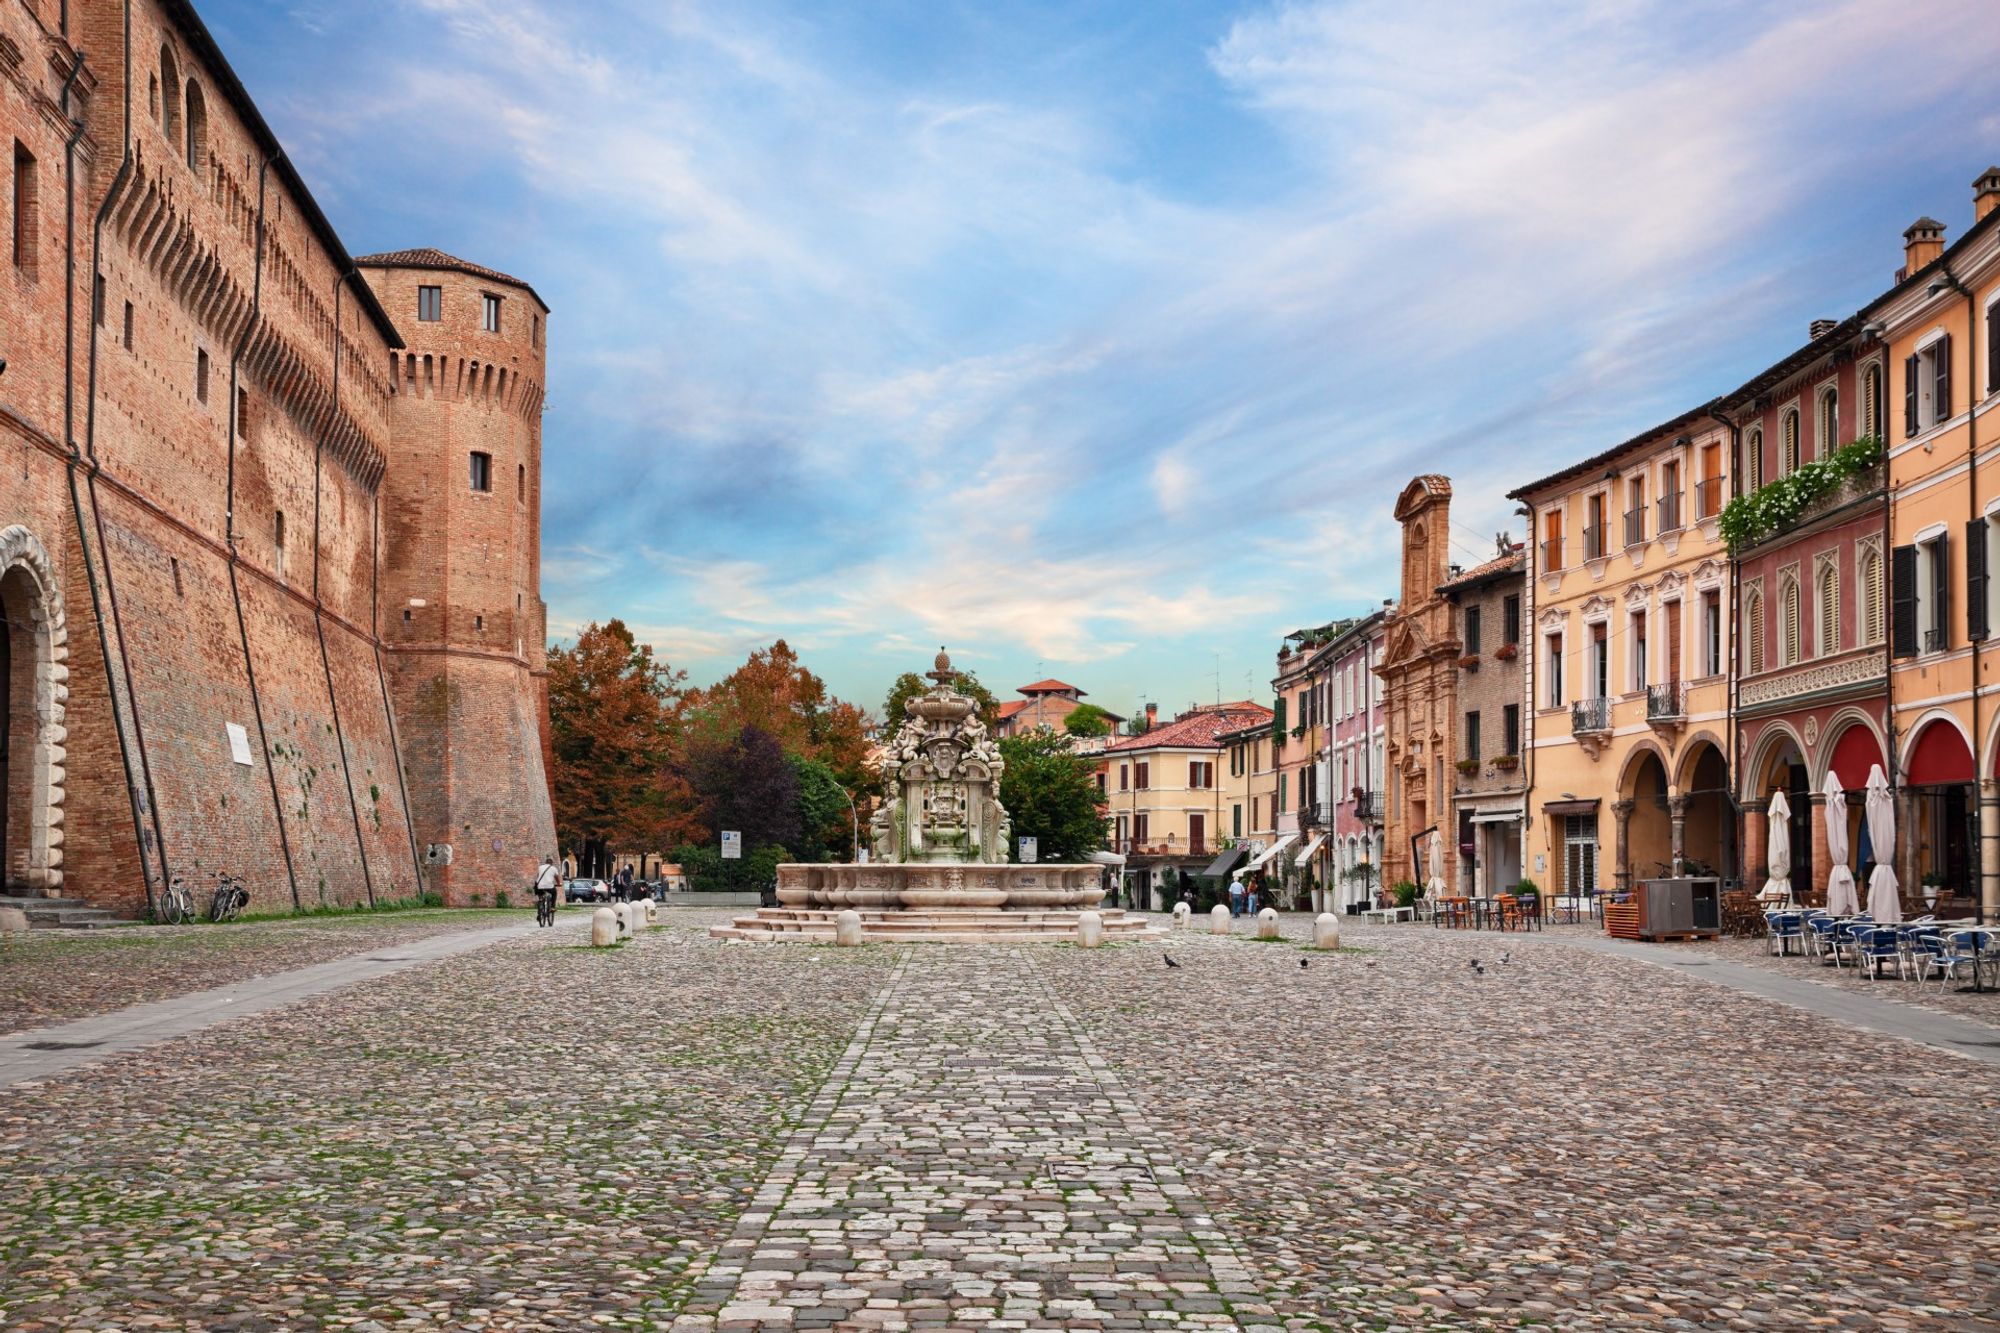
<point>1854,754</point>
<point>1941,757</point>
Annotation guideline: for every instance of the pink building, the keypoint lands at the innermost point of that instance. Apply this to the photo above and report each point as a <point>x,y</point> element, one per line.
<point>1353,763</point>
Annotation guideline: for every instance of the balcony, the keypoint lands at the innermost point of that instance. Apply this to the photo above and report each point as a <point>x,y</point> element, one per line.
<point>1635,526</point>
<point>1864,483</point>
<point>1552,554</point>
<point>1368,805</point>
<point>1171,845</point>
<point>1593,541</point>
<point>1708,498</point>
<point>1666,705</point>
<point>1670,512</point>
<point>1590,723</point>
<point>1936,640</point>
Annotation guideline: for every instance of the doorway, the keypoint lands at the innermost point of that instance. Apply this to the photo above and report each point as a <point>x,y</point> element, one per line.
<point>32,646</point>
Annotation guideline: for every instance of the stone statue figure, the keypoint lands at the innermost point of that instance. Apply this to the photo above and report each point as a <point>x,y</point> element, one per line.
<point>941,774</point>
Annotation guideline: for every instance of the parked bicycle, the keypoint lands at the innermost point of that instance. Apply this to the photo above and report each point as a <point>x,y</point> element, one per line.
<point>230,897</point>
<point>176,903</point>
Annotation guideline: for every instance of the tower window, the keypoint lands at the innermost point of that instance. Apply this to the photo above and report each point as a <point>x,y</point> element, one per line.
<point>521,482</point>
<point>482,471</point>
<point>479,624</point>
<point>535,330</point>
<point>179,591</point>
<point>201,374</point>
<point>243,414</point>
<point>97,302</point>
<point>430,304</point>
<point>406,615</point>
<point>278,533</point>
<point>489,313</point>
<point>27,195</point>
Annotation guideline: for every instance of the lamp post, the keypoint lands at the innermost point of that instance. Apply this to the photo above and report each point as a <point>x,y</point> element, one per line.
<point>854,814</point>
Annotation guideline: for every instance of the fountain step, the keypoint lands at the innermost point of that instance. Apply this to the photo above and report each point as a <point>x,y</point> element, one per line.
<point>935,925</point>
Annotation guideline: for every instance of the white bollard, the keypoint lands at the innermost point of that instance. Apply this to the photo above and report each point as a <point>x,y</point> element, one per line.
<point>651,910</point>
<point>847,927</point>
<point>1181,914</point>
<point>625,915</point>
<point>1267,924</point>
<point>1326,931</point>
<point>603,927</point>
<point>1218,920</point>
<point>1089,930</point>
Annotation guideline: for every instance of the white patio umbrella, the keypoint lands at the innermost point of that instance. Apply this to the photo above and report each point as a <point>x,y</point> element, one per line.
<point>1434,887</point>
<point>1778,888</point>
<point>1885,901</point>
<point>1840,897</point>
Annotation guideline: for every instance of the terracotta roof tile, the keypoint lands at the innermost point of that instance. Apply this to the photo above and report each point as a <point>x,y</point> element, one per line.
<point>426,256</point>
<point>1049,687</point>
<point>1197,730</point>
<point>1503,564</point>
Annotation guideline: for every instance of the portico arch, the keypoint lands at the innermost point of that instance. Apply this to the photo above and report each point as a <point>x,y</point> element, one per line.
<point>34,674</point>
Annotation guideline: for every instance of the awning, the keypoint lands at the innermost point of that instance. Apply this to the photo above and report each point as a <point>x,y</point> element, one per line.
<point>1570,807</point>
<point>1106,858</point>
<point>1225,863</point>
<point>1310,848</point>
<point>1511,815</point>
<point>1274,849</point>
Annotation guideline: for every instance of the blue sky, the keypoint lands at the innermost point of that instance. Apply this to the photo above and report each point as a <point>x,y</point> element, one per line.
<point>1096,339</point>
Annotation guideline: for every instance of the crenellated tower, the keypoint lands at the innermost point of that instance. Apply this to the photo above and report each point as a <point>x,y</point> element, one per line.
<point>461,616</point>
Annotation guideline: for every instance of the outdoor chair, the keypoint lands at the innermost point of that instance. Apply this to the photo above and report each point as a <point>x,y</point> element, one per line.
<point>1740,915</point>
<point>1843,935</point>
<point>1820,935</point>
<point>1784,927</point>
<point>1876,945</point>
<point>1950,952</point>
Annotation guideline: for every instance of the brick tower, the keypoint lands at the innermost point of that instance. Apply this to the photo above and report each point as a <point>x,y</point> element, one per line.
<point>461,613</point>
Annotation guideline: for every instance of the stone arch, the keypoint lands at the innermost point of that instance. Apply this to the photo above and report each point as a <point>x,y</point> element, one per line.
<point>197,127</point>
<point>35,693</point>
<point>1776,734</point>
<point>170,94</point>
<point>1837,726</point>
<point>1689,755</point>
<point>1633,760</point>
<point>1914,733</point>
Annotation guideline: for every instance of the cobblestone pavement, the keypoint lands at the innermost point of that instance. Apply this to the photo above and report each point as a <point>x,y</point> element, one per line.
<point>1394,1139</point>
<point>541,1136</point>
<point>1944,1000</point>
<point>973,1162</point>
<point>53,976</point>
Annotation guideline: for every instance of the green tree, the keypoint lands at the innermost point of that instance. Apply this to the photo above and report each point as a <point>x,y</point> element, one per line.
<point>910,684</point>
<point>824,812</point>
<point>775,693</point>
<point>1087,720</point>
<point>1052,797</point>
<point>747,785</point>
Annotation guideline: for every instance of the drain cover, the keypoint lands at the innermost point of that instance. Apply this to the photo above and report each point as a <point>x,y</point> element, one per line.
<point>60,1045</point>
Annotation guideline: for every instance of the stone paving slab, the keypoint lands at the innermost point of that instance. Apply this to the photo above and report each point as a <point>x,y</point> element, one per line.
<point>973,1162</point>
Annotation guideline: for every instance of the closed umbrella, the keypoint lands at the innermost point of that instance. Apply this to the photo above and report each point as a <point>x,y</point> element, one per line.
<point>1435,887</point>
<point>1778,888</point>
<point>1885,902</point>
<point>1840,897</point>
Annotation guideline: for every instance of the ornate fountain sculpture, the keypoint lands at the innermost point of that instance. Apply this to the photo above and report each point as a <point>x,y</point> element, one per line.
<point>941,842</point>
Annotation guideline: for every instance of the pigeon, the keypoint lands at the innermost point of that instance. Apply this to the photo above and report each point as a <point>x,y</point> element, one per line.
<point>1473,964</point>
<point>1480,970</point>
<point>1371,963</point>
<point>1305,963</point>
<point>1506,956</point>
<point>1170,961</point>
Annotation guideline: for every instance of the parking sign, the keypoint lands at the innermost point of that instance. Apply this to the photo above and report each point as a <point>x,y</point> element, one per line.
<point>732,845</point>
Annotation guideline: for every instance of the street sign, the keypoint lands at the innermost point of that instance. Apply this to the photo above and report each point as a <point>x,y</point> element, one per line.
<point>732,845</point>
<point>1029,850</point>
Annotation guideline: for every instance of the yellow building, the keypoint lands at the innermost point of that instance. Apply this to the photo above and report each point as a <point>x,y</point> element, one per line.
<point>1629,727</point>
<point>1164,793</point>
<point>1942,324</point>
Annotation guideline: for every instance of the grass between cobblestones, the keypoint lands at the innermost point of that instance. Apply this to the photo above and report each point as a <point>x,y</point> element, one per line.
<point>520,1138</point>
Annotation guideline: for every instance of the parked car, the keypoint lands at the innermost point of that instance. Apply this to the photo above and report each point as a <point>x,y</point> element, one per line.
<point>587,890</point>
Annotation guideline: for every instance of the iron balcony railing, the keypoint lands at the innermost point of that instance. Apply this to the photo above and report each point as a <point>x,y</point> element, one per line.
<point>1934,640</point>
<point>1708,498</point>
<point>1635,526</point>
<point>1666,700</point>
<point>1588,715</point>
<point>1552,553</point>
<point>1368,805</point>
<point>1670,512</point>
<point>1593,541</point>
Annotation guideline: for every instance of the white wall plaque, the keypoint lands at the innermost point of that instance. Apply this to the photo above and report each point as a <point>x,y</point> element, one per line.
<point>239,743</point>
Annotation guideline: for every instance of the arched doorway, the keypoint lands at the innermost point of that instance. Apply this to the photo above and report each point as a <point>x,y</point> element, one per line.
<point>1854,754</point>
<point>1782,768</point>
<point>33,649</point>
<point>1649,846</point>
<point>1938,785</point>
<point>1708,820</point>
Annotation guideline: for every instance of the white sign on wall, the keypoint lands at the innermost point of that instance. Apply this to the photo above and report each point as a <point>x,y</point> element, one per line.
<point>1030,848</point>
<point>732,845</point>
<point>239,743</point>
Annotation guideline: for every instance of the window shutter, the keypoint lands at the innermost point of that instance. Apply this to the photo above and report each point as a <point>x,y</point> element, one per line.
<point>1909,395</point>
<point>1993,348</point>
<point>1975,579</point>
<point>1941,595</point>
<point>1903,601</point>
<point>1943,363</point>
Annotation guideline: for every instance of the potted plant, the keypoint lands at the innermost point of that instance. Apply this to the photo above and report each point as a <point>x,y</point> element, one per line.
<point>1507,652</point>
<point>1468,766</point>
<point>1406,893</point>
<point>1506,763</point>
<point>1469,662</point>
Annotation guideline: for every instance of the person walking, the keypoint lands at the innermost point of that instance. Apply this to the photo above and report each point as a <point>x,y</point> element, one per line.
<point>1236,895</point>
<point>1250,897</point>
<point>625,885</point>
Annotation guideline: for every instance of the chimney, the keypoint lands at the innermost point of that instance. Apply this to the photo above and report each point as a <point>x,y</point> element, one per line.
<point>1923,242</point>
<point>1821,327</point>
<point>1986,192</point>
<point>1152,716</point>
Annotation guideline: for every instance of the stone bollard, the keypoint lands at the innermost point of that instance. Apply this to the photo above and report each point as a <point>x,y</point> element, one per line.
<point>650,910</point>
<point>12,919</point>
<point>603,927</point>
<point>627,913</point>
<point>1267,924</point>
<point>847,927</point>
<point>1218,920</point>
<point>1326,931</point>
<point>1181,914</point>
<point>1089,930</point>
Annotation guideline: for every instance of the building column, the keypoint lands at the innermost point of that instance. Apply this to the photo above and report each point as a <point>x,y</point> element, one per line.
<point>1621,814</point>
<point>1677,815</point>
<point>1989,850</point>
<point>1814,894</point>
<point>1756,844</point>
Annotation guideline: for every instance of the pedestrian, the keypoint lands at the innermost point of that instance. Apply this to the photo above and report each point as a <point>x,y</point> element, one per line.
<point>625,885</point>
<point>1236,895</point>
<point>1250,897</point>
<point>545,892</point>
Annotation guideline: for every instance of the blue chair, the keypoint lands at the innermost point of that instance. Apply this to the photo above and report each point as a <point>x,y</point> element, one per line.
<point>1784,927</point>
<point>1876,945</point>
<point>1819,935</point>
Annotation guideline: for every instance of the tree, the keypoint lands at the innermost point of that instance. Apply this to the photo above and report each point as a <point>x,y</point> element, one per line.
<point>614,721</point>
<point>747,784</point>
<point>825,816</point>
<point>1052,797</point>
<point>1087,720</point>
<point>775,694</point>
<point>910,684</point>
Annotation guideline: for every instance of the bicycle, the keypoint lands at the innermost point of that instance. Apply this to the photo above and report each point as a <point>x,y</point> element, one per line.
<point>230,897</point>
<point>176,903</point>
<point>545,907</point>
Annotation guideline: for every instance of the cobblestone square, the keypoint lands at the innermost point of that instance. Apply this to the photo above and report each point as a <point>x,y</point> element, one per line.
<point>686,1133</point>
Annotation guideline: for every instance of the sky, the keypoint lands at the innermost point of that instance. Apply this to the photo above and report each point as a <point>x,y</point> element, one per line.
<point>1096,340</point>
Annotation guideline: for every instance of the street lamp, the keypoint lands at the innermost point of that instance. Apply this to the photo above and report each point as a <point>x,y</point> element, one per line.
<point>855,815</point>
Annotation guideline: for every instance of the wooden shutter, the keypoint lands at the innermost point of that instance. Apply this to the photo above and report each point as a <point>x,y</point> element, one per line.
<point>1909,395</point>
<point>1941,594</point>
<point>1903,600</point>
<point>1943,362</point>
<point>1975,579</point>
<point>1673,671</point>
<point>1993,348</point>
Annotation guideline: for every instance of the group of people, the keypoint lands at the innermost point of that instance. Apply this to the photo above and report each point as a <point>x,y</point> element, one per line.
<point>1242,895</point>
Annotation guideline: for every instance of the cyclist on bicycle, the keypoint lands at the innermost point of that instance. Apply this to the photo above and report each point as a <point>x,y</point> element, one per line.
<point>546,880</point>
